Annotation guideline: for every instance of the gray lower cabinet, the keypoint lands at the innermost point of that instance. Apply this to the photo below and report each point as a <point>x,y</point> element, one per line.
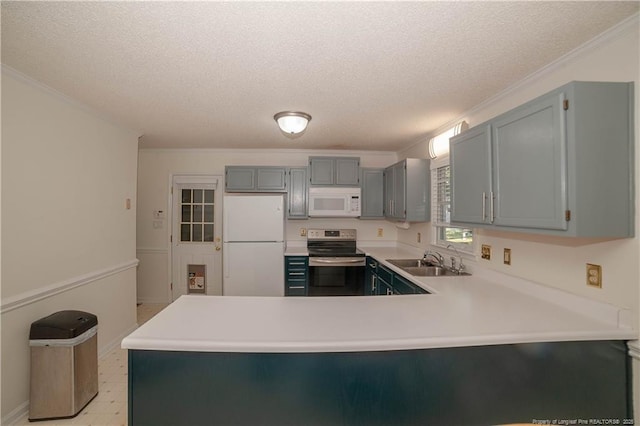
<point>297,193</point>
<point>406,191</point>
<point>296,275</point>
<point>255,179</point>
<point>334,171</point>
<point>372,185</point>
<point>561,164</point>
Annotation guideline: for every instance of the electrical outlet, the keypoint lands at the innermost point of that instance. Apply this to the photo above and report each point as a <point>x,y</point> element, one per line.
<point>419,237</point>
<point>486,252</point>
<point>380,232</point>
<point>507,256</point>
<point>594,275</point>
<point>303,232</point>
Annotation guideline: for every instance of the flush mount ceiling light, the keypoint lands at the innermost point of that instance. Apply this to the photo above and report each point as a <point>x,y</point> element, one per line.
<point>292,122</point>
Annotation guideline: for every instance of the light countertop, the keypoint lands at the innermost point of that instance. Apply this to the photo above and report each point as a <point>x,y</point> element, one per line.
<point>486,308</point>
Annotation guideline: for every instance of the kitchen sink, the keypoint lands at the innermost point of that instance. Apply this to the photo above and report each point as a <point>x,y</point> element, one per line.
<point>432,271</point>
<point>420,268</point>
<point>409,263</point>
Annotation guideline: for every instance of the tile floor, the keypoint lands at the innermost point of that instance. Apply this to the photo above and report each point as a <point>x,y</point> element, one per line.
<point>109,408</point>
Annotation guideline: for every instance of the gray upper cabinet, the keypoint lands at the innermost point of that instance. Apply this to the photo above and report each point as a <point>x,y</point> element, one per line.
<point>406,191</point>
<point>334,171</point>
<point>372,184</point>
<point>255,179</point>
<point>470,160</point>
<point>297,199</point>
<point>561,164</point>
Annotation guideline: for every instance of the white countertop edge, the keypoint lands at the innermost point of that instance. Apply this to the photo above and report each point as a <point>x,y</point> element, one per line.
<point>369,345</point>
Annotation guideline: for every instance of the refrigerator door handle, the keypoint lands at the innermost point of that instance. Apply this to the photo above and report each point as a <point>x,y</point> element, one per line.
<point>225,263</point>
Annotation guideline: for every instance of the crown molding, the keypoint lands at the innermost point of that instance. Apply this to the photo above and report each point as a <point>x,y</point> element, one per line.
<point>631,23</point>
<point>7,70</point>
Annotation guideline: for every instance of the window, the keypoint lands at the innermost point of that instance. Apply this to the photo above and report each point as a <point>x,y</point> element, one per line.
<point>443,234</point>
<point>196,221</point>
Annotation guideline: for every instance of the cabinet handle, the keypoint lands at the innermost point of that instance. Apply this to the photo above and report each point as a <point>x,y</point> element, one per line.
<point>296,263</point>
<point>373,284</point>
<point>295,286</point>
<point>389,292</point>
<point>296,273</point>
<point>484,206</point>
<point>493,216</point>
<point>372,265</point>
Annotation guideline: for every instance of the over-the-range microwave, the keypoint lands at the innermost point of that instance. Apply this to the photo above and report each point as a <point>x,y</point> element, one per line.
<point>334,202</point>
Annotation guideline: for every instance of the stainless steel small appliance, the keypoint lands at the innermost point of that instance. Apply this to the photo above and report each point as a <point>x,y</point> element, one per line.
<point>336,266</point>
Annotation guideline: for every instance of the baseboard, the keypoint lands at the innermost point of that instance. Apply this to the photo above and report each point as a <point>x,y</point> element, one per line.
<point>20,411</point>
<point>115,343</point>
<point>152,301</point>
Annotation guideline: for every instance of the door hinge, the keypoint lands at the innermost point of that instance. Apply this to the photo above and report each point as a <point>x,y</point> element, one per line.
<point>170,238</point>
<point>172,190</point>
<point>565,104</point>
<point>567,215</point>
<point>171,285</point>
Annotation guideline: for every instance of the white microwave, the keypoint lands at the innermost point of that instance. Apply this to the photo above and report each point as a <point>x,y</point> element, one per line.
<point>334,202</point>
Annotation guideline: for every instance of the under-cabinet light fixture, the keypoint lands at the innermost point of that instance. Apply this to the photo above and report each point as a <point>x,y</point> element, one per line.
<point>439,145</point>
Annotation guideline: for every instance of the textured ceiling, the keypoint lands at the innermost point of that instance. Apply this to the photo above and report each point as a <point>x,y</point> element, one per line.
<point>374,76</point>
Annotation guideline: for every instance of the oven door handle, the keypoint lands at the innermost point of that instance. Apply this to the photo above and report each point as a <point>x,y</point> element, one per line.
<point>336,262</point>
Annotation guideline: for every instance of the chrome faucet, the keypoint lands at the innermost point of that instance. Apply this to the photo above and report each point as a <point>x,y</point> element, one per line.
<point>434,255</point>
<point>460,268</point>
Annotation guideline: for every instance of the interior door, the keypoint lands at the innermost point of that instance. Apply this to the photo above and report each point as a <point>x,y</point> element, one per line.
<point>196,241</point>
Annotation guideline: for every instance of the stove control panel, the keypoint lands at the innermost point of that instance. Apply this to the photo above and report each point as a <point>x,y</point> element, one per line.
<point>332,234</point>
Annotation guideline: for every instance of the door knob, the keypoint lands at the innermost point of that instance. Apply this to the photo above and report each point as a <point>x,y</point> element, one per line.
<point>217,248</point>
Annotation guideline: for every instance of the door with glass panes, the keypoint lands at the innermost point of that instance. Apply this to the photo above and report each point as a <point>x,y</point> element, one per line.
<point>196,240</point>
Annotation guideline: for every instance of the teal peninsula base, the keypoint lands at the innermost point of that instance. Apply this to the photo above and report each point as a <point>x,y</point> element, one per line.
<point>463,386</point>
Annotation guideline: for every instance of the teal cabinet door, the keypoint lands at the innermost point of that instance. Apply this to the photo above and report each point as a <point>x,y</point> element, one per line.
<point>271,179</point>
<point>334,171</point>
<point>239,178</point>
<point>372,183</point>
<point>407,191</point>
<point>298,201</point>
<point>347,171</point>
<point>471,190</point>
<point>529,151</point>
<point>321,170</point>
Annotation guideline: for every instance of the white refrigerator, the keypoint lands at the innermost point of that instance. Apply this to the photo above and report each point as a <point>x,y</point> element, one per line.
<point>253,245</point>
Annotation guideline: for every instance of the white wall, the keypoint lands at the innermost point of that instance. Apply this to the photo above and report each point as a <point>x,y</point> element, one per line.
<point>68,241</point>
<point>155,168</point>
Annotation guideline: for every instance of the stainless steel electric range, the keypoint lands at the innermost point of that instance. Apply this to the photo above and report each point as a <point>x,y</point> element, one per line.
<point>336,266</point>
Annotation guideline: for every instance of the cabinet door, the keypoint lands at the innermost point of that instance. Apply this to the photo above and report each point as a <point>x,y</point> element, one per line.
<point>370,278</point>
<point>297,193</point>
<point>384,288</point>
<point>402,286</point>
<point>529,165</point>
<point>399,191</point>
<point>372,182</point>
<point>347,171</point>
<point>240,178</point>
<point>321,170</point>
<point>271,179</point>
<point>388,192</point>
<point>470,161</point>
